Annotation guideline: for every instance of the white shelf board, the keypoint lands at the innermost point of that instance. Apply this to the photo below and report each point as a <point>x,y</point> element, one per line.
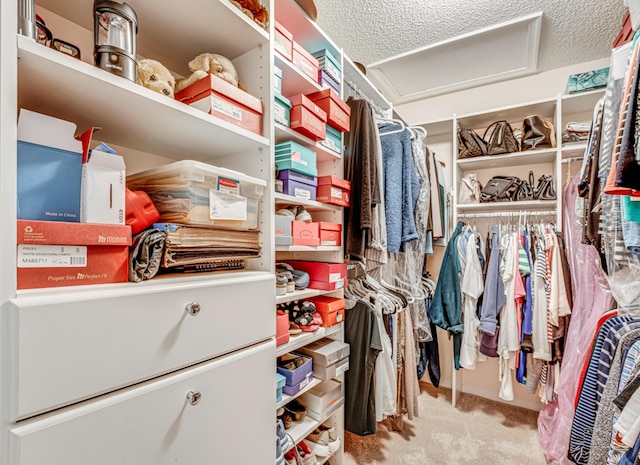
<point>130,115</point>
<point>529,157</point>
<point>512,113</point>
<point>305,31</point>
<point>300,340</point>
<point>363,84</point>
<point>173,34</point>
<point>308,248</point>
<point>311,205</point>
<point>302,429</point>
<point>286,399</point>
<point>574,150</point>
<point>303,294</point>
<point>294,81</point>
<point>284,134</point>
<point>581,102</point>
<point>508,206</point>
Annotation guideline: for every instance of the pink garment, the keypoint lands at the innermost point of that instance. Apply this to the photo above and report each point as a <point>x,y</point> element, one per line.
<point>592,299</point>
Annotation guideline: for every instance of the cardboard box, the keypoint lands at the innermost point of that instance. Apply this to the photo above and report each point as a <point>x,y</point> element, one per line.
<point>330,233</point>
<point>305,233</point>
<point>52,254</point>
<point>49,169</point>
<point>217,97</point>
<point>321,398</point>
<point>283,41</point>
<point>331,309</point>
<point>305,62</point>
<point>293,156</point>
<point>295,376</point>
<point>103,189</point>
<point>298,185</point>
<point>282,110</point>
<point>308,118</point>
<point>326,351</point>
<point>325,276</point>
<point>283,230</point>
<point>334,190</point>
<point>338,112</point>
<point>282,328</point>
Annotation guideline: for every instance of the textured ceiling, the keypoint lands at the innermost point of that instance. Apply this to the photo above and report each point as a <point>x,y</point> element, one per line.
<point>573,31</point>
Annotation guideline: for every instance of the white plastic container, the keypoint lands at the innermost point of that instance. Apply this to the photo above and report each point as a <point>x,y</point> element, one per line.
<point>192,192</point>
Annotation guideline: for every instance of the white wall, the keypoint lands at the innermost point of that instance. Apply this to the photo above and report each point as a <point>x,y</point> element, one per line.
<point>527,89</point>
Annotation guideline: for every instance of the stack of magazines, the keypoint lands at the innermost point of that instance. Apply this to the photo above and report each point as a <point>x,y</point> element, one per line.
<point>202,248</point>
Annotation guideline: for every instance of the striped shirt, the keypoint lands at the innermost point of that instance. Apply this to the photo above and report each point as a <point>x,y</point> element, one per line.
<point>587,407</point>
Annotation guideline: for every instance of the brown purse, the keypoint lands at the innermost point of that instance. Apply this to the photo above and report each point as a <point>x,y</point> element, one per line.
<point>470,144</point>
<point>537,133</point>
<point>501,139</point>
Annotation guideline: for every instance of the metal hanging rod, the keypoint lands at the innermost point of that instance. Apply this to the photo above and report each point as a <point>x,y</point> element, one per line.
<point>507,214</point>
<point>572,159</point>
<point>361,94</point>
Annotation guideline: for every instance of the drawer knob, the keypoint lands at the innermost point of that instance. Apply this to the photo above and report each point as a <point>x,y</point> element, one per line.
<point>193,308</point>
<point>194,397</point>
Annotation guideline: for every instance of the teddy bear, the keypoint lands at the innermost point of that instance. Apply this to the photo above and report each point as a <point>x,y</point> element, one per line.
<point>254,10</point>
<point>209,63</point>
<point>155,76</point>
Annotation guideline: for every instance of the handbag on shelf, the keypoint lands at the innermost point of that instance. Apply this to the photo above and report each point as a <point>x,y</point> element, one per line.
<point>500,189</point>
<point>545,190</point>
<point>470,144</point>
<point>525,189</point>
<point>470,189</point>
<point>537,133</point>
<point>501,139</point>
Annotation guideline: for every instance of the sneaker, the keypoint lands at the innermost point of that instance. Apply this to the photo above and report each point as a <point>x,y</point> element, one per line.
<point>305,454</point>
<point>279,454</point>
<point>334,441</point>
<point>285,442</point>
<point>318,441</point>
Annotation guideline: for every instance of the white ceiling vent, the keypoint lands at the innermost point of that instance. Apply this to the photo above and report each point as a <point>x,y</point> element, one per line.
<point>496,53</point>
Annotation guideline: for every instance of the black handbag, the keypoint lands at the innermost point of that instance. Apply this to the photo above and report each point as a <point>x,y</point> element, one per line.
<point>501,139</point>
<point>525,189</point>
<point>537,133</point>
<point>470,144</point>
<point>545,190</point>
<point>500,189</point>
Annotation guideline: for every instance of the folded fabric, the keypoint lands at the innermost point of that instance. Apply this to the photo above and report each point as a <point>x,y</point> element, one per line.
<point>145,254</point>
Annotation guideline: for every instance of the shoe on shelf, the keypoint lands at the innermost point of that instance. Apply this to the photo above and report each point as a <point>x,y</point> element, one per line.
<point>303,215</point>
<point>290,458</point>
<point>318,441</point>
<point>305,454</point>
<point>294,329</point>
<point>283,438</point>
<point>279,454</point>
<point>334,441</point>
<point>296,409</point>
<point>289,212</point>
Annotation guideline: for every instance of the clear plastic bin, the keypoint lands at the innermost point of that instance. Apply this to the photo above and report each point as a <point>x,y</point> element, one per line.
<point>191,192</point>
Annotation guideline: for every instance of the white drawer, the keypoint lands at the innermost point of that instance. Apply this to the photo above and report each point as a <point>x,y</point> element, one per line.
<point>155,424</point>
<point>74,346</point>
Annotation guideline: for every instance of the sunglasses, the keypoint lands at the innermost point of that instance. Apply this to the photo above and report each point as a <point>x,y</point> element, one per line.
<point>45,37</point>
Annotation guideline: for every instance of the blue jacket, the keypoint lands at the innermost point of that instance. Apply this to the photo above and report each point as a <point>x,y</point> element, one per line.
<point>446,307</point>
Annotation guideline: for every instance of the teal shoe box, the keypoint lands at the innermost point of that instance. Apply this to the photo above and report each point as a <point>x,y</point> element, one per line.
<point>333,141</point>
<point>293,156</point>
<point>282,110</point>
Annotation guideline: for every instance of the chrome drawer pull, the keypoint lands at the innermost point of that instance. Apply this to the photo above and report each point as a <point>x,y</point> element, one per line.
<point>194,397</point>
<point>193,308</point>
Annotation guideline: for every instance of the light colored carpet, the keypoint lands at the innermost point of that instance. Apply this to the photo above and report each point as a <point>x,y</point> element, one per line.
<point>477,431</point>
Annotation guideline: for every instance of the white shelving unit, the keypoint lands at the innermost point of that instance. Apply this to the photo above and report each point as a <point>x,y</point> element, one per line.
<point>123,364</point>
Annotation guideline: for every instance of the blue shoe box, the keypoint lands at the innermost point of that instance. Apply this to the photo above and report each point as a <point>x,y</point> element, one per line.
<point>293,156</point>
<point>280,382</point>
<point>294,377</point>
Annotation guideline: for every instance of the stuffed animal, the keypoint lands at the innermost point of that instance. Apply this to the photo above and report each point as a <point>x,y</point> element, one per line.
<point>153,75</point>
<point>255,10</point>
<point>209,63</point>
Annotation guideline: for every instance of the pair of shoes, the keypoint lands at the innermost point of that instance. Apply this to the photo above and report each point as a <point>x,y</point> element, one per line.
<point>296,409</point>
<point>283,439</point>
<point>294,329</point>
<point>292,361</point>
<point>323,441</point>
<point>286,419</point>
<point>279,453</point>
<point>296,213</point>
<point>301,455</point>
<point>300,279</point>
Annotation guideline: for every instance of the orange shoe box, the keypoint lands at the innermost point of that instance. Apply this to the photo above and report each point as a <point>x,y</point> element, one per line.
<point>52,254</point>
<point>338,112</point>
<point>282,328</point>
<point>331,309</point>
<point>334,190</point>
<point>305,62</point>
<point>324,276</point>
<point>283,42</point>
<point>225,101</point>
<point>308,118</point>
<point>330,233</point>
<point>305,233</point>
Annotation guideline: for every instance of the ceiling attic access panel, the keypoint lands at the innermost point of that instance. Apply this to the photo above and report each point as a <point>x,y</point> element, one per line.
<point>492,54</point>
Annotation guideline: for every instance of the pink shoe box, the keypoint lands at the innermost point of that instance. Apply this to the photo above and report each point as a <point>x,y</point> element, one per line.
<point>305,233</point>
<point>282,328</point>
<point>330,233</point>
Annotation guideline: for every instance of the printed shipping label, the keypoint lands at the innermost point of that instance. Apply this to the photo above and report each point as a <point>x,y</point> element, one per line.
<point>329,243</point>
<point>302,193</point>
<point>225,206</point>
<point>336,192</point>
<point>340,283</point>
<point>305,383</point>
<point>52,256</point>
<point>334,277</point>
<point>341,369</point>
<point>280,115</point>
<point>226,108</point>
